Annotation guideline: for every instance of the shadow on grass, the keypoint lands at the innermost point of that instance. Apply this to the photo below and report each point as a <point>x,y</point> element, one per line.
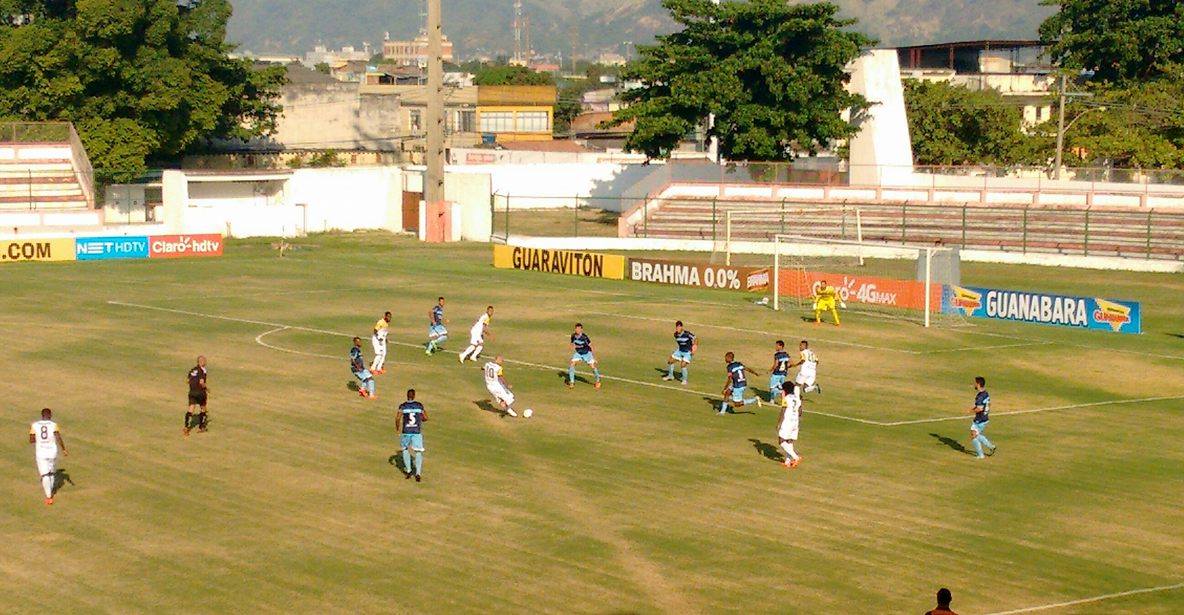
<point>579,377</point>
<point>715,402</point>
<point>61,479</point>
<point>397,461</point>
<point>768,451</point>
<point>952,443</point>
<point>487,406</point>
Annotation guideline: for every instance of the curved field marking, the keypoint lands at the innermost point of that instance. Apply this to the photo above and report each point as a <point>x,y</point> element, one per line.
<point>1060,605</point>
<point>259,340</point>
<point>280,326</point>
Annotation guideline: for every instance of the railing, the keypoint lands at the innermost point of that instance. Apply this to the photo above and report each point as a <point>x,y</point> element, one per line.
<point>35,132</point>
<point>1139,234</point>
<point>31,134</point>
<point>1149,234</point>
<point>82,167</point>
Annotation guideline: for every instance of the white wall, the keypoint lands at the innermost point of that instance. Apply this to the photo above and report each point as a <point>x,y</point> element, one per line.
<point>551,185</point>
<point>470,193</point>
<point>884,135</point>
<point>307,200</point>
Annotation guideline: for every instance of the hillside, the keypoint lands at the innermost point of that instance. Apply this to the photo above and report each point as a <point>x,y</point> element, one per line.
<point>591,26</point>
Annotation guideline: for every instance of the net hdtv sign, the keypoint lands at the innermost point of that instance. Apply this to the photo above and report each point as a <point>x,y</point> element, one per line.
<point>184,246</point>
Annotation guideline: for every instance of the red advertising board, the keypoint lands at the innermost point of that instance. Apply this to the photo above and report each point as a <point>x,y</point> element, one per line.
<point>888,292</point>
<point>184,246</point>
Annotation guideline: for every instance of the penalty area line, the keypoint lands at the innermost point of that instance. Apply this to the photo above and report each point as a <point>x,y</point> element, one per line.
<point>1059,605</point>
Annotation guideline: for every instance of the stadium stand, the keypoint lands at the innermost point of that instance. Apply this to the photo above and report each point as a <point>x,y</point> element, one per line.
<point>45,177</point>
<point>1098,231</point>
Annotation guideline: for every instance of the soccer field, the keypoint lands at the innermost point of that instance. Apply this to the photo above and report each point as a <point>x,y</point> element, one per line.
<point>632,498</point>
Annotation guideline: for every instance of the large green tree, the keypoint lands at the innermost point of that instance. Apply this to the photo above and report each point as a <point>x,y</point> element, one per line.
<point>142,79</point>
<point>503,74</point>
<point>952,125</point>
<point>1138,125</point>
<point>1118,39</point>
<point>772,73</point>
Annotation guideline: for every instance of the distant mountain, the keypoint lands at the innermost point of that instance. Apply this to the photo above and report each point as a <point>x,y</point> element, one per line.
<point>590,26</point>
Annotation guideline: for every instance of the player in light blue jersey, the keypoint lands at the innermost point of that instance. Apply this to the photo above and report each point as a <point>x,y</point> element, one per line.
<point>357,365</point>
<point>779,372</point>
<point>581,350</point>
<point>412,416</point>
<point>982,416</point>
<point>685,346</point>
<point>735,386</point>
<point>437,333</point>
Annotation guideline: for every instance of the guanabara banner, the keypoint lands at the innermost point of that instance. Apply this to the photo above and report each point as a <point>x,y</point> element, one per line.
<point>586,264</point>
<point>1059,310</point>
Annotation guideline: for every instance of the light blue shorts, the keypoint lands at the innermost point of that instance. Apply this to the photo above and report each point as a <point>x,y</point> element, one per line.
<point>679,355</point>
<point>775,382</point>
<point>413,441</point>
<point>586,357</point>
<point>738,393</point>
<point>979,427</point>
<point>437,331</point>
<point>363,375</point>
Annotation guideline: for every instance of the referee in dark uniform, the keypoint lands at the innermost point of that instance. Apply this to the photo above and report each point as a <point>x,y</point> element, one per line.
<point>198,395</point>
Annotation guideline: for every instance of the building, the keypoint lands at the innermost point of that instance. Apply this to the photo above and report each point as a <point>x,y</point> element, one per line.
<point>1016,68</point>
<point>413,52</point>
<point>508,113</point>
<point>601,100</point>
<point>322,55</point>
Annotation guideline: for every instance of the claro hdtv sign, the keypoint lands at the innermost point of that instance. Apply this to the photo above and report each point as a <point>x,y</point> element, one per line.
<point>111,248</point>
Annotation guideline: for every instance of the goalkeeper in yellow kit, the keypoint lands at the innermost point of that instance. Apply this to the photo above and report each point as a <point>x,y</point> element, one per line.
<point>826,299</point>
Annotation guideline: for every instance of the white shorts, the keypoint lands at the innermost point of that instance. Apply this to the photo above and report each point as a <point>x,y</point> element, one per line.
<point>789,426</point>
<point>500,393</point>
<point>806,378</point>
<point>476,337</point>
<point>46,465</point>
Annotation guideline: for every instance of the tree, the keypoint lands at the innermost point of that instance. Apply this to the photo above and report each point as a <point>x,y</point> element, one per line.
<point>1140,125</point>
<point>771,72</point>
<point>950,125</point>
<point>1117,39</point>
<point>141,79</point>
<point>511,75</point>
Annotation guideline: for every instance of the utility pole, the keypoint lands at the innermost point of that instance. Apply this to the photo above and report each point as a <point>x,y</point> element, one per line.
<point>713,141</point>
<point>433,183</point>
<point>1061,128</point>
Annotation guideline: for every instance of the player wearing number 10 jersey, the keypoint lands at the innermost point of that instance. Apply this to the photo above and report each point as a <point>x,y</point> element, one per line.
<point>411,419</point>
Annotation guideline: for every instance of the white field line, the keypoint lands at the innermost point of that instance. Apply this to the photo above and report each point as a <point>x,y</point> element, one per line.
<point>1058,605</point>
<point>1095,404</point>
<point>259,340</point>
<point>996,347</point>
<point>742,330</point>
<point>281,327</point>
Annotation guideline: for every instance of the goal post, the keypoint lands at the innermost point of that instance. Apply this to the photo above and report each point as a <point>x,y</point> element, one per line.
<point>900,281</point>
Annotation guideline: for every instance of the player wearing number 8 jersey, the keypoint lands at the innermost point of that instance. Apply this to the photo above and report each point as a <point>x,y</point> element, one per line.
<point>47,442</point>
<point>411,419</point>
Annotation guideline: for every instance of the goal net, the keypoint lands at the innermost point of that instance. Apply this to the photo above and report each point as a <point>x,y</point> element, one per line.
<point>901,281</point>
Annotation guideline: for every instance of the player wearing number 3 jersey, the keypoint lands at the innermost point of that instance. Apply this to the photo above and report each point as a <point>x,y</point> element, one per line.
<point>411,419</point>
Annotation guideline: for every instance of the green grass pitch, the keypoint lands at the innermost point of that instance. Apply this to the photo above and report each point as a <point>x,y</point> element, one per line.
<point>633,498</point>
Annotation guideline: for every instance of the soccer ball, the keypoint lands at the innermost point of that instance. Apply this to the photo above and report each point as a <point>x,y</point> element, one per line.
<point>528,413</point>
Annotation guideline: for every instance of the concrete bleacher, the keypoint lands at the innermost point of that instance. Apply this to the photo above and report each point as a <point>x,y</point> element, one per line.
<point>1124,232</point>
<point>45,183</point>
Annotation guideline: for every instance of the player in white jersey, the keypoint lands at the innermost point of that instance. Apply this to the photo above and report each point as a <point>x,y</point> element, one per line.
<point>808,372</point>
<point>47,442</point>
<point>477,336</point>
<point>495,381</point>
<point>787,423</point>
<point>382,329</point>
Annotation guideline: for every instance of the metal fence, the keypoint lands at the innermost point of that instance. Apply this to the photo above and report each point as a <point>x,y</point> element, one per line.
<point>35,132</point>
<point>1128,233</point>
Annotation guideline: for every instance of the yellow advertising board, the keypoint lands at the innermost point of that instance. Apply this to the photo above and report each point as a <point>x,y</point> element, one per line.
<point>567,262</point>
<point>18,250</point>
